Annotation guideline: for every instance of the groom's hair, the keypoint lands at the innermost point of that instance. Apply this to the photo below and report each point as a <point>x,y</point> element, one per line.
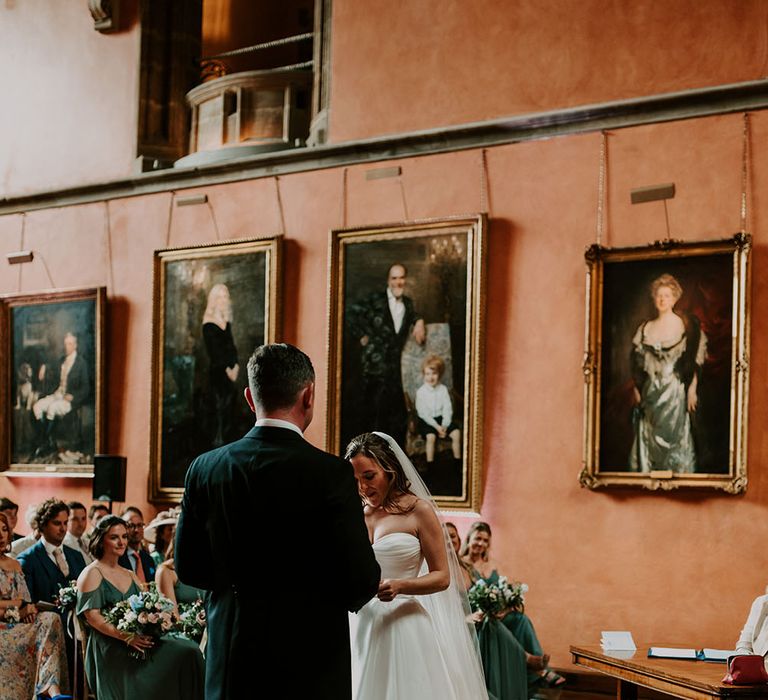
<point>277,373</point>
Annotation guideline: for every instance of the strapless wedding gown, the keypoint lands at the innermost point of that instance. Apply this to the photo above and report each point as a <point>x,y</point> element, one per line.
<point>395,650</point>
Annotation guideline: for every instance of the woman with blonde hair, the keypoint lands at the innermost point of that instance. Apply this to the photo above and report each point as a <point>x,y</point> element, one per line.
<point>476,552</point>
<point>223,368</point>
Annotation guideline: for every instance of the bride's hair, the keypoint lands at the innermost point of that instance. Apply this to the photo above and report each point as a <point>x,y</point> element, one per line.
<point>378,449</point>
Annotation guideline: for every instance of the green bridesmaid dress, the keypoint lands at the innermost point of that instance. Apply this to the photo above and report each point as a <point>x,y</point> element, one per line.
<point>524,636</point>
<point>173,670</point>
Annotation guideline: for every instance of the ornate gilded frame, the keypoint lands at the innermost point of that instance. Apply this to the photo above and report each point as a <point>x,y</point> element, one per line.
<point>96,320</point>
<point>268,252</point>
<point>469,229</point>
<point>735,284</point>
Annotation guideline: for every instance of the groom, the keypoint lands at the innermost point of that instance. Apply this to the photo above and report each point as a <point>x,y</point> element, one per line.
<point>273,528</point>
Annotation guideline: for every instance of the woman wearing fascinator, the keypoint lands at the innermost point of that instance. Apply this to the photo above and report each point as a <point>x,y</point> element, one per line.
<point>412,641</point>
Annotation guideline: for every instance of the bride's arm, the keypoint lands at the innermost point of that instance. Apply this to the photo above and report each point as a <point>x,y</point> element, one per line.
<point>433,546</point>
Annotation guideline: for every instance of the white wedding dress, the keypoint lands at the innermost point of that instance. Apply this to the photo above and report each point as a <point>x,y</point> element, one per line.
<point>396,653</point>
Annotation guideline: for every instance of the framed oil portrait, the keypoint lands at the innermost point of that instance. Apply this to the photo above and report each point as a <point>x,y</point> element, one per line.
<point>406,346</point>
<point>667,365</point>
<point>52,389</point>
<point>213,305</point>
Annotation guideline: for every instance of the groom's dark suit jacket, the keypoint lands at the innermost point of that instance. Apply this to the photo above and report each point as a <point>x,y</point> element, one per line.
<point>274,529</point>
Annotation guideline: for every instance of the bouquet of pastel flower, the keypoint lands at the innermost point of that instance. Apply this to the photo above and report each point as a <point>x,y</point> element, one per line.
<point>148,613</point>
<point>67,597</point>
<point>495,598</point>
<point>192,620</point>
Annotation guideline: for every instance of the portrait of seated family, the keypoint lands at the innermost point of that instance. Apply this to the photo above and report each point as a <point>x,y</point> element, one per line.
<point>405,327</point>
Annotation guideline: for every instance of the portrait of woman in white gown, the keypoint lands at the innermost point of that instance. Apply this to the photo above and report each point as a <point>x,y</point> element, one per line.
<point>668,353</point>
<point>414,640</point>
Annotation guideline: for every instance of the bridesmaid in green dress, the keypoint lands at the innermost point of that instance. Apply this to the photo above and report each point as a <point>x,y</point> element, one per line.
<point>175,667</point>
<point>169,585</point>
<point>475,553</point>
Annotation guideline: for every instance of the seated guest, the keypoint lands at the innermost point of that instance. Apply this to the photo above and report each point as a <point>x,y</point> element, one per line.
<point>169,585</point>
<point>50,562</point>
<point>159,533</point>
<point>22,545</point>
<point>136,557</point>
<point>24,674</point>
<point>95,513</point>
<point>754,637</point>
<point>75,536</point>
<point>476,553</point>
<point>174,670</point>
<point>505,662</point>
<point>11,512</point>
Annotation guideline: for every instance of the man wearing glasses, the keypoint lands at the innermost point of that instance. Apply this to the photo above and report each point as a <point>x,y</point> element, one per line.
<point>136,557</point>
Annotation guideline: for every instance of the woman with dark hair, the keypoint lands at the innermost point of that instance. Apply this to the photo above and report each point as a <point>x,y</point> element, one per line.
<point>412,641</point>
<point>476,553</point>
<point>176,667</point>
<point>23,674</point>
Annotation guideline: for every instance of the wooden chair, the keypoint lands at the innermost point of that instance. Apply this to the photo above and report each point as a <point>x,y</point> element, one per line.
<point>81,644</point>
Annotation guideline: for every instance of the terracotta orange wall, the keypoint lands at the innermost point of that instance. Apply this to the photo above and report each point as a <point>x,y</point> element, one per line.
<point>416,65</point>
<point>70,94</point>
<point>662,565</point>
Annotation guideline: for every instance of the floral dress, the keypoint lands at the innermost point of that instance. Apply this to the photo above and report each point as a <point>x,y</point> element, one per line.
<point>33,655</point>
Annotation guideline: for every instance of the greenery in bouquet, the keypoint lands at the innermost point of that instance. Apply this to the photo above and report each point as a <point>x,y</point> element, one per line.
<point>67,597</point>
<point>148,613</point>
<point>492,599</point>
<point>192,620</point>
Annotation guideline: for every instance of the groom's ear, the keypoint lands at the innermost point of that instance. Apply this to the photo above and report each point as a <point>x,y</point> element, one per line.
<point>308,396</point>
<point>249,399</point>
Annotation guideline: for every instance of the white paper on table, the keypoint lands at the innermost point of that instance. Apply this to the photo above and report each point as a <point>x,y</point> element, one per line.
<point>672,653</point>
<point>617,641</point>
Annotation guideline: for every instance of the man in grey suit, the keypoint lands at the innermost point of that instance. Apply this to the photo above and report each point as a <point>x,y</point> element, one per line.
<point>273,528</point>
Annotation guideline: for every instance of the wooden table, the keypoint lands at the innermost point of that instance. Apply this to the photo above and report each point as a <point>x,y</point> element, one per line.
<point>681,678</point>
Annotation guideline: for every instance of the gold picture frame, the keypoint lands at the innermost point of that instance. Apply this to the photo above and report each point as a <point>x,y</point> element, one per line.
<point>53,381</point>
<point>375,371</point>
<point>213,305</point>
<point>666,365</point>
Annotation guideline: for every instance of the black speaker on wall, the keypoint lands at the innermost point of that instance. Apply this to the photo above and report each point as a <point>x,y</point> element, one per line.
<point>109,478</point>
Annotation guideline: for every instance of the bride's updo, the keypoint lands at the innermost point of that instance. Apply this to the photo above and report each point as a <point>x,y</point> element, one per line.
<point>378,449</point>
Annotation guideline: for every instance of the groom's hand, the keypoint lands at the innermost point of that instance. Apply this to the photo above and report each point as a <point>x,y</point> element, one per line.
<point>388,590</point>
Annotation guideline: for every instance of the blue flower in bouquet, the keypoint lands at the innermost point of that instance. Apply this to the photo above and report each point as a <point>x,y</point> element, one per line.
<point>148,613</point>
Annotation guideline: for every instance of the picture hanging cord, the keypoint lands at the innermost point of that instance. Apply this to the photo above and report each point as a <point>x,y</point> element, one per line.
<point>170,219</point>
<point>37,255</point>
<point>344,198</point>
<point>601,185</point>
<point>110,265</point>
<point>21,245</point>
<point>280,204</point>
<point>402,195</point>
<point>47,271</point>
<point>213,217</point>
<point>485,196</point>
<point>744,170</point>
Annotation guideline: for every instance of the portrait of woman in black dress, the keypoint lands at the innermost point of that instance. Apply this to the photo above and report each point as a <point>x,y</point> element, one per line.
<point>222,354</point>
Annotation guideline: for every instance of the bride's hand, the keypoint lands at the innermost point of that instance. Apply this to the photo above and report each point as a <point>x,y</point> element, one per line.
<point>388,590</point>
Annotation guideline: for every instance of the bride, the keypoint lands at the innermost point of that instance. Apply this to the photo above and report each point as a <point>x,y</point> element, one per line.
<point>413,641</point>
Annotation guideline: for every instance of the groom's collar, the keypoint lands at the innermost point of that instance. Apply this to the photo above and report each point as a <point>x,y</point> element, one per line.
<point>277,423</point>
